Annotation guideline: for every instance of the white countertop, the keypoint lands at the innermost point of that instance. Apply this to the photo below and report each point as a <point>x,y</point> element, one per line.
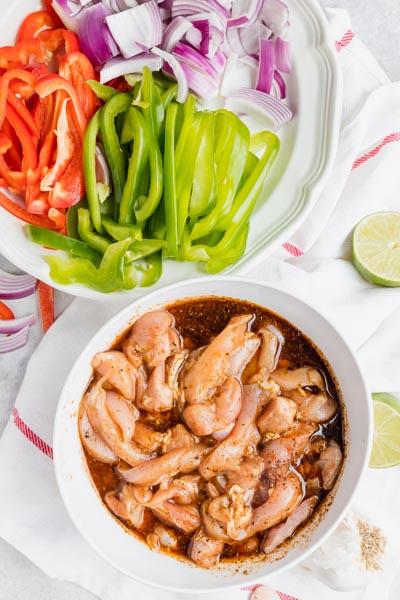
<point>377,24</point>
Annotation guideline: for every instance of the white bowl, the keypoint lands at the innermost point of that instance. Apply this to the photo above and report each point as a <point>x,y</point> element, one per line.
<point>122,549</point>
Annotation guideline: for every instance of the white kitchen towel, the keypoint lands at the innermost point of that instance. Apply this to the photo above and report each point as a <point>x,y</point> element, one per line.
<point>315,264</point>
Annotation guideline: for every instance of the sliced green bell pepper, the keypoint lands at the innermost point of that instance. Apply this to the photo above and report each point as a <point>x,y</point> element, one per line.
<point>52,239</point>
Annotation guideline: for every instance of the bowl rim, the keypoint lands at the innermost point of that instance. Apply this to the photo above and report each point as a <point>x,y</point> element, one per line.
<point>152,302</point>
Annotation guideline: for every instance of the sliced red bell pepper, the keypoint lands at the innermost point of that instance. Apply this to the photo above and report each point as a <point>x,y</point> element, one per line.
<point>49,7</point>
<point>29,146</point>
<point>54,39</point>
<point>13,154</point>
<point>65,150</point>
<point>46,304</point>
<point>16,180</point>
<point>5,312</point>
<point>5,143</point>
<point>24,113</point>
<point>16,210</point>
<point>22,53</point>
<point>77,69</point>
<point>52,83</point>
<point>33,23</point>
<point>59,218</point>
<point>6,78</point>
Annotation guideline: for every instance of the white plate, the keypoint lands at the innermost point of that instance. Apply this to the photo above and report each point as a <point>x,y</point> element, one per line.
<point>308,149</point>
<point>124,551</point>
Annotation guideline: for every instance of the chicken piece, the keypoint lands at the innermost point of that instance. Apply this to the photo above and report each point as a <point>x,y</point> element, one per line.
<point>202,420</point>
<point>314,408</point>
<point>271,344</point>
<point>141,384</point>
<point>153,471</point>
<point>92,442</point>
<point>280,453</point>
<point>152,338</point>
<point>247,475</point>
<point>117,370</point>
<point>99,417</point>
<point>158,397</point>
<point>285,496</point>
<point>124,505</point>
<point>183,490</point>
<point>205,551</point>
<point>161,536</point>
<point>275,536</point>
<point>228,400</point>
<point>302,377</point>
<point>178,437</point>
<point>278,416</point>
<point>330,462</point>
<point>229,452</point>
<point>244,355</point>
<point>232,510</point>
<point>147,438</point>
<point>123,413</point>
<point>184,518</point>
<point>173,366</point>
<point>210,370</point>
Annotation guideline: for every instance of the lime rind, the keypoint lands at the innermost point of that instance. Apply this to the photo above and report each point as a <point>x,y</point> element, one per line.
<point>376,248</point>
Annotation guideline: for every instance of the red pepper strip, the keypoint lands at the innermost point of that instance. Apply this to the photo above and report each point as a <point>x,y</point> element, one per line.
<point>29,147</point>
<point>49,7</point>
<point>16,180</point>
<point>5,312</point>
<point>46,304</point>
<point>21,53</point>
<point>33,23</point>
<point>51,83</point>
<point>77,69</point>
<point>24,113</point>
<point>65,150</point>
<point>70,188</point>
<point>24,215</point>
<point>5,80</point>
<point>5,143</point>
<point>59,218</point>
<point>13,154</point>
<point>57,38</point>
<point>36,201</point>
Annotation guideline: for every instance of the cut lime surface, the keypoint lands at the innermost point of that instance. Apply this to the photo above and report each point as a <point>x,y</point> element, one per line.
<point>376,248</point>
<point>386,444</point>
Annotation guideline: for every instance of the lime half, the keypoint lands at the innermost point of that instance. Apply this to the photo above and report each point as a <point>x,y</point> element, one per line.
<point>386,444</point>
<point>376,248</point>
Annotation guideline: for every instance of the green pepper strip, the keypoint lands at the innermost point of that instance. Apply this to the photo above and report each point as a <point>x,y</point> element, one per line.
<point>185,170</point>
<point>108,114</point>
<point>169,95</point>
<point>150,94</point>
<point>216,264</point>
<point>103,92</point>
<point>143,248</point>
<point>203,194</point>
<point>146,205</point>
<point>109,277</point>
<point>185,128</point>
<point>89,165</point>
<point>52,239</point>
<point>121,232</point>
<point>230,167</point>
<point>86,233</point>
<point>151,270</point>
<point>170,198</point>
<point>192,252</point>
<point>137,163</point>
<point>247,196</point>
<point>157,223</point>
<point>72,218</point>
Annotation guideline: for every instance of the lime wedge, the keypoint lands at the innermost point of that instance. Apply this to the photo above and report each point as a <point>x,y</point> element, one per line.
<point>386,444</point>
<point>376,248</point>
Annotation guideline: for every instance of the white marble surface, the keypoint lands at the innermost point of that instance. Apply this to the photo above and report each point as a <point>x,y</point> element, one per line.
<point>377,23</point>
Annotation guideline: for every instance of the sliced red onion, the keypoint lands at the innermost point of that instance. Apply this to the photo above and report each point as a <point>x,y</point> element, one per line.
<point>122,66</point>
<point>261,106</point>
<point>94,37</point>
<point>275,14</point>
<point>194,59</point>
<point>192,7</point>
<point>245,40</point>
<point>230,66</point>
<point>137,27</point>
<point>214,19</point>
<point>103,174</point>
<point>14,341</point>
<point>68,11</point>
<point>14,325</point>
<point>283,55</point>
<point>211,37</point>
<point>174,32</point>
<point>279,85</point>
<point>245,15</point>
<point>13,287</point>
<point>200,83</point>
<point>266,65</point>
<point>173,67</point>
<point>84,2</point>
<point>194,37</point>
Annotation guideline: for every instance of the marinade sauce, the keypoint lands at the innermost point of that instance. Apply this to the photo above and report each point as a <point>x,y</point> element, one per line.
<point>198,321</point>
